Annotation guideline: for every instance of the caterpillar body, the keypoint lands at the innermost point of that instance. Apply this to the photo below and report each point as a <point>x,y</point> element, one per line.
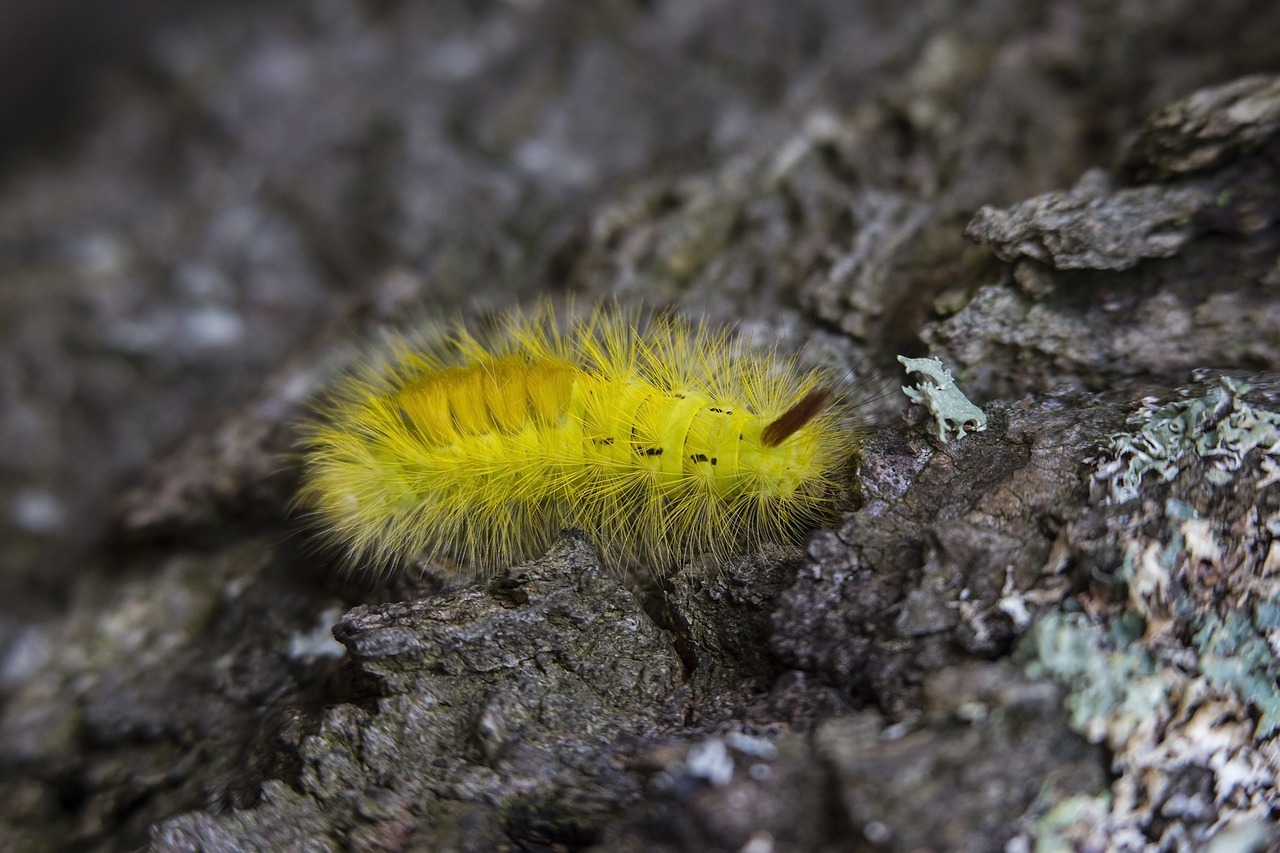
<point>661,440</point>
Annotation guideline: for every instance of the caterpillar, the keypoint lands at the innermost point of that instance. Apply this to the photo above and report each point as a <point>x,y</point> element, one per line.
<point>661,438</point>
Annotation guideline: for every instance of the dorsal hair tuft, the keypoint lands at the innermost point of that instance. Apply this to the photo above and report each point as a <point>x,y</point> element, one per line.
<point>786,424</point>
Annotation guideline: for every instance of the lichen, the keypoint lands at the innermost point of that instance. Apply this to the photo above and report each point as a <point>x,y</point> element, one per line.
<point>1234,656</point>
<point>1112,692</point>
<point>1219,425</point>
<point>1069,823</point>
<point>938,393</point>
<point>1188,762</point>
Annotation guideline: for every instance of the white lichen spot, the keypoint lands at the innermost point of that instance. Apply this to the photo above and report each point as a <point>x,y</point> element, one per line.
<point>753,747</point>
<point>710,760</point>
<point>1199,540</point>
<point>319,641</point>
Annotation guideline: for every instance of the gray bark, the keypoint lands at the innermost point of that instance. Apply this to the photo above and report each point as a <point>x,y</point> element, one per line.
<point>1057,631</point>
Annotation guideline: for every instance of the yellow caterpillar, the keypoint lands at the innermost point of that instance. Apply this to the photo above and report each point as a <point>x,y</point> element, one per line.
<point>661,444</point>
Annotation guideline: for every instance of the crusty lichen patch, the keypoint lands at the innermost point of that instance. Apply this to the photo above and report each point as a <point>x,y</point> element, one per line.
<point>1171,657</point>
<point>1219,426</point>
<point>1186,760</point>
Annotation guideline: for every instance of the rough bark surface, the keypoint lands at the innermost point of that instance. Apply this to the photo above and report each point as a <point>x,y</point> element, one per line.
<point>1058,633</point>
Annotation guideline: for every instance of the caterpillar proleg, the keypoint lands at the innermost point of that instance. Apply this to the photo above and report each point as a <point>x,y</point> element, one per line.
<point>661,440</point>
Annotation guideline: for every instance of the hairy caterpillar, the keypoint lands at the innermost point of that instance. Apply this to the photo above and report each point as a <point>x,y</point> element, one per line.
<point>660,442</point>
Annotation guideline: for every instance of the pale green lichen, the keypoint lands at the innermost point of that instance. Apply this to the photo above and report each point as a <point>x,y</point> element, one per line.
<point>1111,693</point>
<point>1219,425</point>
<point>1109,674</point>
<point>938,393</point>
<point>1234,656</point>
<point>1180,675</point>
<point>1069,823</point>
<point>1162,714</point>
